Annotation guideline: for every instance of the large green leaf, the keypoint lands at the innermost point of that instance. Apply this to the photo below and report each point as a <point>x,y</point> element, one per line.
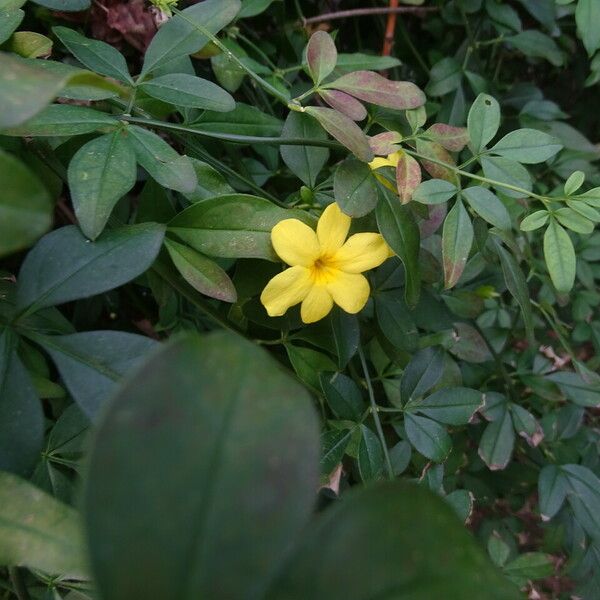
<point>38,531</point>
<point>497,442</point>
<point>410,531</point>
<point>507,171</point>
<point>428,437</point>
<point>588,24</point>
<point>560,257</point>
<point>21,414</point>
<point>451,405</point>
<point>400,230</point>
<point>65,266</point>
<point>202,474</point>
<point>95,55</point>
<point>528,146</point>
<point>181,89</point>
<point>100,174</point>
<point>163,163</point>
<point>421,373</point>
<point>483,121</point>
<point>10,19</point>
<point>488,206</point>
<point>179,37</point>
<point>457,239</point>
<point>355,188</point>
<point>232,226</point>
<point>303,161</point>
<point>63,120</point>
<point>25,205</point>
<point>92,363</point>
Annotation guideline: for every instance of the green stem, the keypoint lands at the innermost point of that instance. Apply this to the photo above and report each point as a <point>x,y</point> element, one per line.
<point>459,171</point>
<point>232,137</point>
<point>231,56</point>
<point>374,410</point>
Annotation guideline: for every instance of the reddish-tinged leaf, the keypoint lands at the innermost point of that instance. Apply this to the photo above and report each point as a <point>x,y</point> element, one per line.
<point>408,177</point>
<point>451,138</point>
<point>344,130</point>
<point>372,87</point>
<point>321,55</point>
<point>437,214</point>
<point>344,103</point>
<point>385,143</point>
<point>457,239</point>
<point>437,152</point>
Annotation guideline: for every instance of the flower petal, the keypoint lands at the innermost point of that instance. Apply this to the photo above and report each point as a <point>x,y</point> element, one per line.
<point>295,243</point>
<point>316,305</point>
<point>332,229</point>
<point>350,291</point>
<point>286,289</point>
<point>390,161</point>
<point>362,251</point>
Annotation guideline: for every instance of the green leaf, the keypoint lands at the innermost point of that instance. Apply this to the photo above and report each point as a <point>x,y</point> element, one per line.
<point>25,205</point>
<point>355,188</point>
<point>573,220</point>
<point>370,455</point>
<point>483,121</point>
<point>517,286</point>
<point>575,181</point>
<point>179,37</point>
<point>421,373</point>
<point>395,321</point>
<point>92,363</point>
<point>584,496</point>
<point>399,229</point>
<point>528,146</point>
<point>461,502</point>
<point>536,44</point>
<point>453,406</point>
<point>346,335</point>
<point>560,257</point>
<point>358,61</point>
<point>528,566</point>
<point>344,130</point>
<point>376,89</point>
<point>457,239</point>
<point>180,89</point>
<point>251,8</point>
<point>333,562</point>
<point>428,437</point>
<point>94,54</point>
<point>506,171</point>
<point>400,456</point>
<point>321,55</point>
<point>100,174</point>
<point>232,226</point>
<point>434,191</point>
<point>244,120</point>
<point>63,120</point>
<point>552,491</point>
<point>574,387</point>
<point>162,162</point>
<point>343,396</point>
<point>10,19</point>
<point>488,206</point>
<point>210,183</point>
<point>201,273</point>
<point>309,364</point>
<point>38,531</point>
<point>64,5</point>
<point>21,413</point>
<point>588,25</point>
<point>65,266</point>
<point>303,161</point>
<point>333,444</point>
<point>535,220</point>
<point>497,442</point>
<point>29,44</point>
<point>235,426</point>
<point>444,77</point>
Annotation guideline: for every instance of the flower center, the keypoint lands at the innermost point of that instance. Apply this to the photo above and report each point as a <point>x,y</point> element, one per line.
<point>322,271</point>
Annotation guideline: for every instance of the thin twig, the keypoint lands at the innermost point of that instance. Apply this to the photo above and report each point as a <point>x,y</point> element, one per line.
<point>363,12</point>
<point>390,30</point>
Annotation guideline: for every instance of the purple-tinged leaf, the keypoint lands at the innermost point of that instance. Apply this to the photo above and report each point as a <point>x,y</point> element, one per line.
<point>385,143</point>
<point>344,103</point>
<point>344,130</point>
<point>372,87</point>
<point>457,239</point>
<point>438,153</point>
<point>451,138</point>
<point>437,214</point>
<point>321,55</point>
<point>408,177</point>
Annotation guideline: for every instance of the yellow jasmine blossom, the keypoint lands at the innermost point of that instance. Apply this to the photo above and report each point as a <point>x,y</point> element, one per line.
<point>325,268</point>
<point>390,161</point>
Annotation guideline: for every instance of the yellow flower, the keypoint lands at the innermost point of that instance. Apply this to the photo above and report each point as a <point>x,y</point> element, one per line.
<point>325,268</point>
<point>390,161</point>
